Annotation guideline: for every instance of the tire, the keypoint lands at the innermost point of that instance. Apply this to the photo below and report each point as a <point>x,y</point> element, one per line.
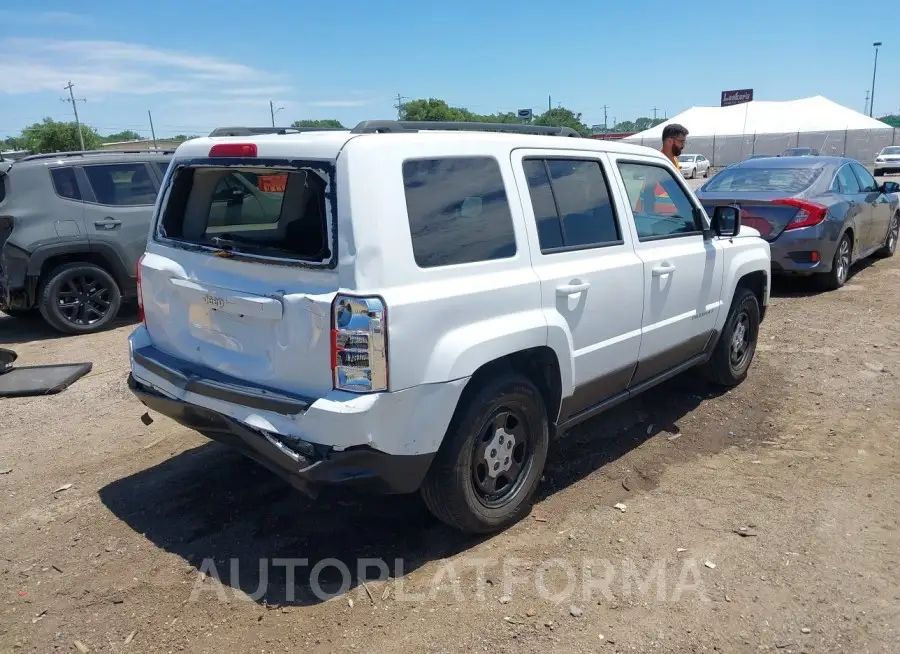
<point>706,172</point>
<point>694,172</point>
<point>95,291</point>
<point>741,325</point>
<point>840,266</point>
<point>455,488</point>
<point>890,244</point>
<point>877,172</point>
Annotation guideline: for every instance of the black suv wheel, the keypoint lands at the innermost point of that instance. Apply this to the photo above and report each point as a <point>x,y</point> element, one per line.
<point>79,298</point>
<point>484,476</point>
<point>734,351</point>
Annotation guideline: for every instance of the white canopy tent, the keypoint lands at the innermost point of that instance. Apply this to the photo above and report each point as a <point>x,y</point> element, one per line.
<point>728,134</point>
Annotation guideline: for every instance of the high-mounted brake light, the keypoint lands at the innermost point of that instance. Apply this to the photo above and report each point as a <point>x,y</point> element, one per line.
<point>233,150</point>
<point>359,358</point>
<point>808,213</point>
<point>140,294</point>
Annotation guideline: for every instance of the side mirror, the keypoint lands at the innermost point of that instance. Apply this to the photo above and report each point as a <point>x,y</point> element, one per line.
<point>890,187</point>
<point>726,221</point>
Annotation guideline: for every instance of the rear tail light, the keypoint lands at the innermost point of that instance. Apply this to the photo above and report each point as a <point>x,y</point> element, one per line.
<point>233,150</point>
<point>359,361</point>
<point>140,294</point>
<point>808,213</point>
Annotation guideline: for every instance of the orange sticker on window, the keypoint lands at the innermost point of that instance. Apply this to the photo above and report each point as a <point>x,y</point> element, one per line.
<point>272,183</point>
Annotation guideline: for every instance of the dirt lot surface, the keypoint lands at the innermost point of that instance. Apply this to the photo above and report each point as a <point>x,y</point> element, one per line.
<point>116,536</point>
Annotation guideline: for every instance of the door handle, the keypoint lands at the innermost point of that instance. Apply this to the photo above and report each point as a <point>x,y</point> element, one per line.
<point>663,269</point>
<point>107,223</point>
<point>571,289</point>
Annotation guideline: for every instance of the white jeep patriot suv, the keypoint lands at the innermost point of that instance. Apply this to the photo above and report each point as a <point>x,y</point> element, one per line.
<point>405,307</point>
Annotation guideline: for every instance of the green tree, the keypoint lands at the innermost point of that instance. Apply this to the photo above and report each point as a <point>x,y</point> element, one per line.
<point>892,119</point>
<point>433,109</point>
<point>328,122</point>
<point>625,126</point>
<point>127,135</point>
<point>562,117</point>
<point>54,136</point>
<point>12,143</point>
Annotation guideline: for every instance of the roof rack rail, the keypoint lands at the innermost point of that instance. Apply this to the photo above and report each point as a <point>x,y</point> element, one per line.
<point>393,126</point>
<point>253,131</point>
<point>81,153</point>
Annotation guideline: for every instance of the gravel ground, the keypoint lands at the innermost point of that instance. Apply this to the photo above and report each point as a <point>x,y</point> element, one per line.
<point>762,519</point>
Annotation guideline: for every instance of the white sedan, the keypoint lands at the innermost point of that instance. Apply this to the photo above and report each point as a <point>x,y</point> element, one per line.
<point>693,165</point>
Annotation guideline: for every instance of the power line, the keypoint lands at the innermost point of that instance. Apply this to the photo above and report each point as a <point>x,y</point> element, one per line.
<point>399,105</point>
<point>72,99</point>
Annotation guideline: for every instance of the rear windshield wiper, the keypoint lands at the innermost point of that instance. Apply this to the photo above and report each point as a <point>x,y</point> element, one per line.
<point>239,244</point>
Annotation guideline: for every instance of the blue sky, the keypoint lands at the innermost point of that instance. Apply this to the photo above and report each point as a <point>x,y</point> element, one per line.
<point>198,64</point>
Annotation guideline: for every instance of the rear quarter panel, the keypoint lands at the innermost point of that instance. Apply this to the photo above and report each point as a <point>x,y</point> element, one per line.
<point>443,322</point>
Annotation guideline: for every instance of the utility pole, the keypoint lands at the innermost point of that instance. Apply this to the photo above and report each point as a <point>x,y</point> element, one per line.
<point>152,131</point>
<point>866,107</point>
<point>72,99</point>
<point>876,45</point>
<point>549,103</point>
<point>654,113</point>
<point>399,105</point>
<point>605,123</point>
<point>273,111</point>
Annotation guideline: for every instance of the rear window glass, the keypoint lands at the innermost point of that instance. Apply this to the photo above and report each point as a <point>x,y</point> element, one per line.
<point>787,180</point>
<point>262,212</point>
<point>65,184</point>
<point>458,211</point>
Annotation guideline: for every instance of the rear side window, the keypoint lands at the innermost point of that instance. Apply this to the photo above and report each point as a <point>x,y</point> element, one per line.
<point>65,184</point>
<point>262,212</point>
<point>763,180</point>
<point>458,211</point>
<point>127,184</point>
<point>571,204</point>
<point>162,167</point>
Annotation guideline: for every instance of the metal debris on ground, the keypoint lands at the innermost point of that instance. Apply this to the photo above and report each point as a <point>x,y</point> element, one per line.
<point>709,564</point>
<point>146,419</point>
<point>621,507</point>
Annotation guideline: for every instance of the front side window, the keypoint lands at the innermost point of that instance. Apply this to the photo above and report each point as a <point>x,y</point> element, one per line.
<point>571,203</point>
<point>65,184</point>
<point>126,184</point>
<point>458,211</point>
<point>660,206</point>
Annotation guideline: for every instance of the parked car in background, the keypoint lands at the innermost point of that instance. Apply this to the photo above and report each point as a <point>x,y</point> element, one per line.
<point>72,227</point>
<point>888,161</point>
<point>428,307</point>
<point>693,165</point>
<point>800,152</point>
<point>820,214</point>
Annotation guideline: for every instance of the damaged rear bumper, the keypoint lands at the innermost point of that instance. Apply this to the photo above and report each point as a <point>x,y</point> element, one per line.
<point>306,466</point>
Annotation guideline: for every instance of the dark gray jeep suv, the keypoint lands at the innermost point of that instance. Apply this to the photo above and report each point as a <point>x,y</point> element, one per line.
<point>72,227</point>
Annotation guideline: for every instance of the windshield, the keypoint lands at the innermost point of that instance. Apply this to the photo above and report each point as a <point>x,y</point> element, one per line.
<point>894,150</point>
<point>764,180</point>
<point>796,151</point>
<point>687,157</point>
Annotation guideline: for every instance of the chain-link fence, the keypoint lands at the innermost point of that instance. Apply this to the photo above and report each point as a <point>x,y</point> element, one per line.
<point>861,144</point>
